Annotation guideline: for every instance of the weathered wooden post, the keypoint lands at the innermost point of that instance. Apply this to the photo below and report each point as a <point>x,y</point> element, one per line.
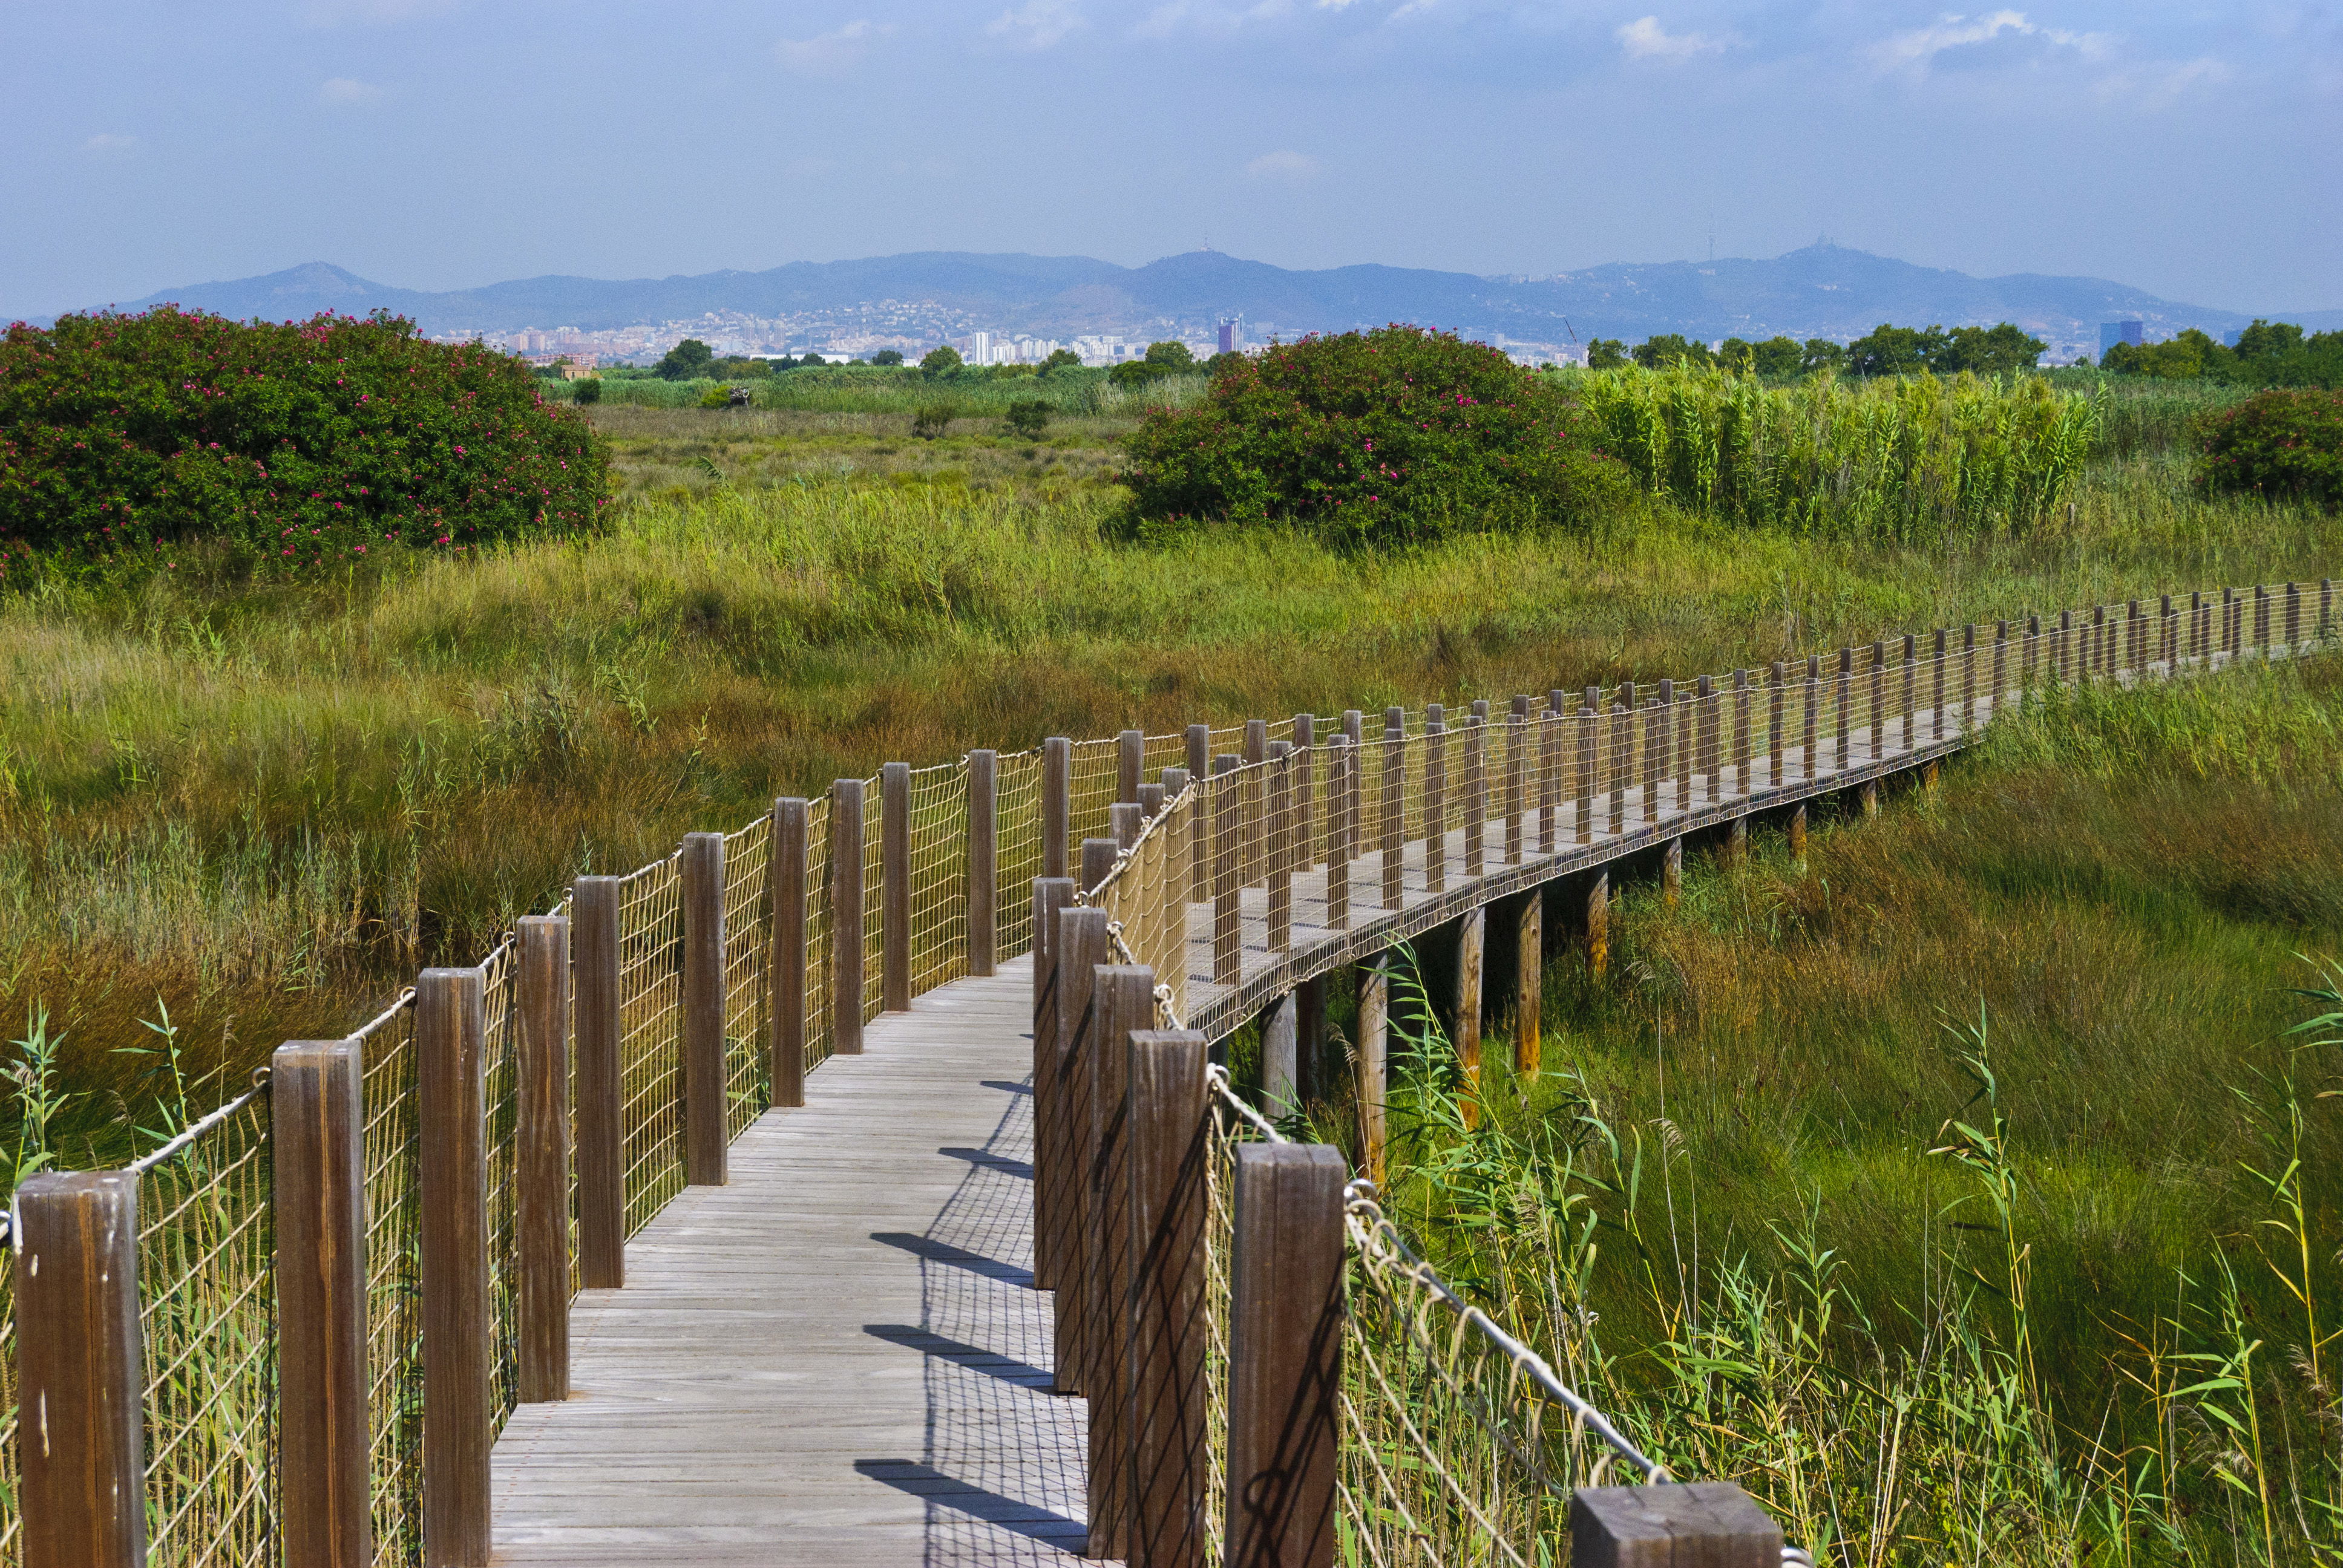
<point>1774,699</point>
<point>1355,731</point>
<point>1082,949</point>
<point>2000,668</point>
<point>1798,833</point>
<point>1436,798</point>
<point>1712,1522</point>
<point>540,1161</point>
<point>1549,744</point>
<point>1302,788</point>
<point>1130,763</point>
<point>1968,677</point>
<point>1056,805</point>
<point>1844,694</point>
<point>1342,799</point>
<point>1672,872</point>
<point>1516,777</point>
<point>2326,608</point>
<point>1472,951</point>
<point>704,1137</point>
<point>1126,819</point>
<point>601,1118</point>
<point>2062,650</point>
<point>1598,924</point>
<point>1741,732</point>
<point>1810,734</point>
<point>1122,1001</point>
<point>1868,793</point>
<point>1374,1052</point>
<point>1657,716</point>
<point>1936,686</point>
<point>1476,797</point>
<point>1590,718</point>
<point>1256,784</point>
<point>1169,1333</point>
<point>2292,618</point>
<point>1393,840</point>
<point>2262,620</point>
<point>1623,755</point>
<point>1285,1355</point>
<point>846,912</point>
<point>452,1175</point>
<point>1529,982</point>
<point>1706,788</point>
<point>787,960</point>
<point>1098,861</point>
<point>1878,716</point>
<point>1200,753</point>
<point>1051,894</point>
<point>1681,746</point>
<point>1280,1056</point>
<point>1911,676</point>
<point>983,851</point>
<point>895,886</point>
<point>1228,932</point>
<point>81,1444</point>
<point>317,1116</point>
<point>1279,870</point>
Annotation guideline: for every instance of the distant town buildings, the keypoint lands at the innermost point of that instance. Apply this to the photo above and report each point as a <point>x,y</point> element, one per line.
<point>2113,332</point>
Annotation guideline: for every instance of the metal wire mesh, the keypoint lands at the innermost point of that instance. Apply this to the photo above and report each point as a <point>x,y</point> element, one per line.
<point>748,937</point>
<point>938,865</point>
<point>394,1291</point>
<point>874,899</point>
<point>500,1043</point>
<point>207,1300</point>
<point>11,1521</point>
<point>818,928</point>
<point>651,1044</point>
<point>1096,770</point>
<point>1017,856</point>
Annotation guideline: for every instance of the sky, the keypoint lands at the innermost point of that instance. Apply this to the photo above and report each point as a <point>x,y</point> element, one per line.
<point>2186,149</point>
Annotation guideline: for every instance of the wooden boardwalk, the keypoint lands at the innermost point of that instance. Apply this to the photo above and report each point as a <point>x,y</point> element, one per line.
<point>838,1358</point>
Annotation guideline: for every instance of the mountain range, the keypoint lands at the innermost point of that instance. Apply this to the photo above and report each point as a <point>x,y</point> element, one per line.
<point>1822,290</point>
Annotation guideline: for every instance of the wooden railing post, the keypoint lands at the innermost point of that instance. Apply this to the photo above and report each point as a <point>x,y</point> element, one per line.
<point>1126,819</point>
<point>452,1175</point>
<point>1170,1143</point>
<point>2062,650</point>
<point>1656,719</point>
<point>1200,753</point>
<point>1844,694</point>
<point>1472,958</point>
<point>2262,619</point>
<point>1516,777</point>
<point>1911,676</point>
<point>1374,1050</point>
<point>1228,930</point>
<point>1436,798</point>
<point>1968,677</point>
<point>1057,804</point>
<point>1285,1355</point>
<point>895,886</point>
<point>599,1112</point>
<point>846,914</point>
<point>983,853</point>
<point>1342,799</point>
<point>2292,618</point>
<point>1355,731</point>
<point>1549,766</point>
<point>1130,764</point>
<point>1529,981</point>
<point>2000,668</point>
<point>541,1160</point>
<point>1590,736</point>
<point>1081,948</point>
<point>1775,698</point>
<point>1672,872</point>
<point>317,1118</point>
<point>1051,894</point>
<point>1683,744</point>
<point>786,961</point>
<point>1476,797</point>
<point>1300,791</point>
<point>1623,755</point>
<point>1878,699</point>
<point>1711,1523</point>
<point>1810,735</point>
<point>1741,732</point>
<point>81,1430</point>
<point>1598,924</point>
<point>1394,840</point>
<point>1937,688</point>
<point>1279,848</point>
<point>1098,860</point>
<point>1122,999</point>
<point>1280,1066</point>
<point>706,1137</point>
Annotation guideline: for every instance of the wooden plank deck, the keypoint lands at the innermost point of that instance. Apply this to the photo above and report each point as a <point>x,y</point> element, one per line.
<point>838,1359</point>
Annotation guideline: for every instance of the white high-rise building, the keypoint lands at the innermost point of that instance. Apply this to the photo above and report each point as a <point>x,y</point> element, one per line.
<point>979,348</point>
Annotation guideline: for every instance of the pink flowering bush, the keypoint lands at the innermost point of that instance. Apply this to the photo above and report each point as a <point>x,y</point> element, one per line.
<point>2279,444</point>
<point>1389,437</point>
<point>292,445</point>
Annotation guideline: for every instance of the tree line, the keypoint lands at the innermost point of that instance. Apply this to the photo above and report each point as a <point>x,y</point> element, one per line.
<point>1888,350</point>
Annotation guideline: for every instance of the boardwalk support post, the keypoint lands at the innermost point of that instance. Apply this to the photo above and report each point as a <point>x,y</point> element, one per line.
<point>1281,1036</point>
<point>1168,1439</point>
<point>600,1125</point>
<point>1080,948</point>
<point>1706,1522</point>
<point>895,886</point>
<point>1051,894</point>
<point>1472,954</point>
<point>1057,803</point>
<point>983,851</point>
<point>785,961</point>
<point>1672,872</point>
<point>1529,981</point>
<point>451,1058</point>
<point>704,1132</point>
<point>1122,1001</point>
<point>1374,1052</point>
<point>540,1164</point>
<point>83,1484</point>
<point>1285,1355</point>
<point>317,1118</point>
<point>1598,924</point>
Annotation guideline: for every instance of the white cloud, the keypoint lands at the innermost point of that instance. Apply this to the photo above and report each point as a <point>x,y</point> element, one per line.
<point>1039,23</point>
<point>1645,39</point>
<point>2159,85</point>
<point>106,142</point>
<point>832,52</point>
<point>1922,44</point>
<point>1283,166</point>
<point>347,92</point>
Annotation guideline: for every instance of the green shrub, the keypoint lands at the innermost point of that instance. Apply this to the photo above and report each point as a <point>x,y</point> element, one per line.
<point>588,390</point>
<point>2285,445</point>
<point>295,443</point>
<point>1372,437</point>
<point>933,418</point>
<point>1028,416</point>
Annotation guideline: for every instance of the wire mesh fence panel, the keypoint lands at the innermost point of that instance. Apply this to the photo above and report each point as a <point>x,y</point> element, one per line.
<point>208,1300</point>
<point>500,1043</point>
<point>1017,859</point>
<point>1096,770</point>
<point>939,871</point>
<point>874,899</point>
<point>818,929</point>
<point>394,1291</point>
<point>650,1053</point>
<point>11,1521</point>
<point>748,937</point>
<point>1229,1129</point>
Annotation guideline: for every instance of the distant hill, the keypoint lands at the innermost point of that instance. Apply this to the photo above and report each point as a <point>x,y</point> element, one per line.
<point>1821,291</point>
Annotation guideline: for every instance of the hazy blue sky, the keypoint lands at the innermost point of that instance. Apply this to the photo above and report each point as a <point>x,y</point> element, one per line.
<point>2188,149</point>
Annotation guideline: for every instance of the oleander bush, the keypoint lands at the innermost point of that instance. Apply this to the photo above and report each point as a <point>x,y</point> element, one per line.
<point>1390,437</point>
<point>2285,446</point>
<point>292,445</point>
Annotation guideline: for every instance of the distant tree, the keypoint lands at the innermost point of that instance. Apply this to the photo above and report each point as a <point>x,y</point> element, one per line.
<point>1171,355</point>
<point>1821,353</point>
<point>941,361</point>
<point>2182,359</point>
<point>1028,418</point>
<point>1606,354</point>
<point>811,359</point>
<point>590,390</point>
<point>888,356</point>
<point>932,419</point>
<point>1132,373</point>
<point>1061,360</point>
<point>1989,351</point>
<point>1219,362</point>
<point>1779,356</point>
<point>1892,350</point>
<point>1670,348</point>
<point>687,361</point>
<point>2264,338</point>
<point>1739,357</point>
